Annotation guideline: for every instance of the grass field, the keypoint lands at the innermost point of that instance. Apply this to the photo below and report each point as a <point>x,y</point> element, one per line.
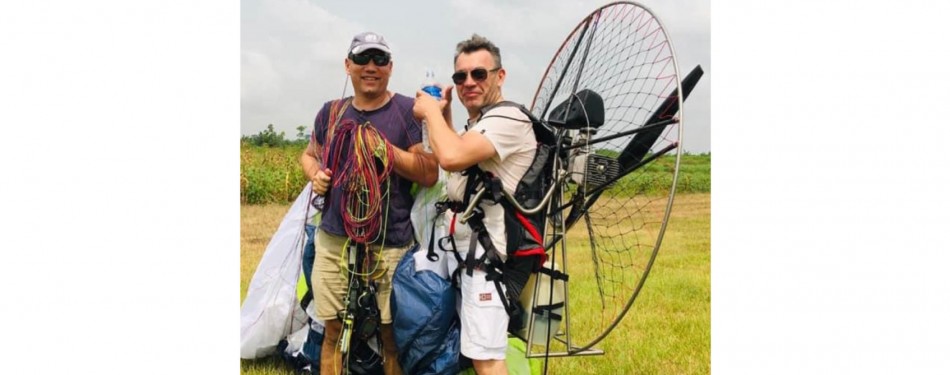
<point>272,175</point>
<point>666,332</point>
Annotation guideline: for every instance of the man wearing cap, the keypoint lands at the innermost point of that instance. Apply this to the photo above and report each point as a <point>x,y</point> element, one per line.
<point>369,66</point>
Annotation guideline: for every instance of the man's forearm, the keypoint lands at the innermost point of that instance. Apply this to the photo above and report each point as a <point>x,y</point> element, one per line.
<point>442,137</point>
<point>456,152</point>
<point>416,166</point>
<point>310,161</point>
<point>310,165</point>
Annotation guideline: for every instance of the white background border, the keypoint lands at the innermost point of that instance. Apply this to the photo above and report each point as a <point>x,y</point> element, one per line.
<point>121,223</point>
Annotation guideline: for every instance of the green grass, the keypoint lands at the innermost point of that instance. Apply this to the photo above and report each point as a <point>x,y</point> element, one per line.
<point>667,331</point>
<point>272,175</point>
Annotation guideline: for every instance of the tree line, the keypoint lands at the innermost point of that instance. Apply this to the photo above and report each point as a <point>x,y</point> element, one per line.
<point>271,138</point>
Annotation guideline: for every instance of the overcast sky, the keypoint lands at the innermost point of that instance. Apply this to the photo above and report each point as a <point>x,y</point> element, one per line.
<point>292,51</point>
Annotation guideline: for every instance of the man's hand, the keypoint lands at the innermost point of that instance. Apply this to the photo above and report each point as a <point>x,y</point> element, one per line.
<point>321,181</point>
<point>446,101</point>
<point>425,104</point>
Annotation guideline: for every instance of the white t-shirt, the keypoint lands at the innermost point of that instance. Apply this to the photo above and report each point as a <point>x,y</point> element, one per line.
<point>515,146</point>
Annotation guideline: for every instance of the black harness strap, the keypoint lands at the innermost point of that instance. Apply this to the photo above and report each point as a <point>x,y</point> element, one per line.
<point>549,310</point>
<point>430,254</point>
<point>555,274</point>
<point>490,261</point>
<point>524,256</point>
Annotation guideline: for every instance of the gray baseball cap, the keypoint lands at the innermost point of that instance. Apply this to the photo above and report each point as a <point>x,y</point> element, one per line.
<point>368,40</point>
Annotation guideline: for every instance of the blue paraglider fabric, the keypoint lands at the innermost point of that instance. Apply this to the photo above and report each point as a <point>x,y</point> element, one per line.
<point>425,321</point>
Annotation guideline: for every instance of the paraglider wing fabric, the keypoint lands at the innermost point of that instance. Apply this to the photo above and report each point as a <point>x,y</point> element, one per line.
<point>426,220</point>
<point>447,363</point>
<point>423,313</point>
<point>270,307</point>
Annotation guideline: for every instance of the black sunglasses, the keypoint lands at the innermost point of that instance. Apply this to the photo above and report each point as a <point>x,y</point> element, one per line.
<point>380,59</point>
<point>478,74</point>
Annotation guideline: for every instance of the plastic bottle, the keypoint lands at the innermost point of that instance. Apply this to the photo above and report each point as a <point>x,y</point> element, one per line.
<point>429,86</point>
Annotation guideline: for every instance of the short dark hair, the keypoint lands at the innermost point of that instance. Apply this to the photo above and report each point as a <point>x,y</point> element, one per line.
<point>477,43</point>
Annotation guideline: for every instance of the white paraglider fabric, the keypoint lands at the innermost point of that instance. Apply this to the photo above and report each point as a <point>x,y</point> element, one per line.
<point>271,310</point>
<point>423,216</point>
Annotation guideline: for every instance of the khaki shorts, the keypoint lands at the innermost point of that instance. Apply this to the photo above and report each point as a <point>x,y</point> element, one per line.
<point>330,283</point>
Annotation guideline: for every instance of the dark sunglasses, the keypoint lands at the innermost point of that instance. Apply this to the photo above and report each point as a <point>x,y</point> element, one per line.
<point>380,59</point>
<point>478,74</point>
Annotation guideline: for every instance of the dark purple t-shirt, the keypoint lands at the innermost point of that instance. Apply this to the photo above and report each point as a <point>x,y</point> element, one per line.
<point>396,122</point>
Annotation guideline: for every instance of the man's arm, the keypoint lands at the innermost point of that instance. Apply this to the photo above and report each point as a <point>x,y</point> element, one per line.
<point>313,168</point>
<point>416,165</point>
<point>453,152</point>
